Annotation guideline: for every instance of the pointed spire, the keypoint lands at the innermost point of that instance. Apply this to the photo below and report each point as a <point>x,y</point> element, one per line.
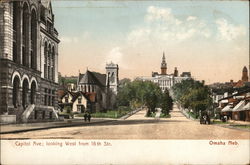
<point>163,58</point>
<point>163,65</point>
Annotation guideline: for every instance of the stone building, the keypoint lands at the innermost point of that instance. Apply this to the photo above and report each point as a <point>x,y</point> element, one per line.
<point>28,61</point>
<point>103,86</point>
<point>164,80</point>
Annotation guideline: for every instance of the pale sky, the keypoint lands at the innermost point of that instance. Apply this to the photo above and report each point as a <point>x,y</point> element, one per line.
<point>209,39</point>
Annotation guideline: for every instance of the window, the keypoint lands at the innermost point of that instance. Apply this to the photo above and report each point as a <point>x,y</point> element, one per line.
<point>43,114</point>
<point>53,100</point>
<point>49,100</point>
<point>35,115</point>
<point>79,107</point>
<point>50,115</point>
<point>45,99</point>
<point>79,100</point>
<point>66,99</point>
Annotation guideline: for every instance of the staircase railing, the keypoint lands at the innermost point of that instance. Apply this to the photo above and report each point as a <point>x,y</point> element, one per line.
<point>27,112</point>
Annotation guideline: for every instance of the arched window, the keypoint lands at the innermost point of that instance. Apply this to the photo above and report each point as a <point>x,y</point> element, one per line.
<point>33,93</point>
<point>25,93</point>
<point>16,23</point>
<point>49,62</point>
<point>53,64</point>
<point>33,40</point>
<point>45,59</point>
<point>26,22</point>
<point>16,86</point>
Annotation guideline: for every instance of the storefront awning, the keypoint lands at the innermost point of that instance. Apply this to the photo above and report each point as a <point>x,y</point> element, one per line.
<point>239,106</point>
<point>227,108</point>
<point>246,107</point>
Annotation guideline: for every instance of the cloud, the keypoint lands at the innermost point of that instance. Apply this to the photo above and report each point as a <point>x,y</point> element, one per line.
<point>114,55</point>
<point>227,31</point>
<point>75,39</point>
<point>191,18</point>
<point>65,39</point>
<point>162,25</point>
<point>157,13</point>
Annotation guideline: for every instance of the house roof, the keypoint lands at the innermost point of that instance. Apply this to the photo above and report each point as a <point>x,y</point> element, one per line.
<point>227,108</point>
<point>239,106</point>
<point>89,96</point>
<point>92,78</point>
<point>246,107</point>
<point>237,94</point>
<point>101,78</point>
<point>87,78</point>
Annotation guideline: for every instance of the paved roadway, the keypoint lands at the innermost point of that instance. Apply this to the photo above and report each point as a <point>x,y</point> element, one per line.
<point>138,126</point>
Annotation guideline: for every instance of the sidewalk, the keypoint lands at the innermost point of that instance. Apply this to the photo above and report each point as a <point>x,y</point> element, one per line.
<point>158,113</point>
<point>232,124</point>
<point>16,128</point>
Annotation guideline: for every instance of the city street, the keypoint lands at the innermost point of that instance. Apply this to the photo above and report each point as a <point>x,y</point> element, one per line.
<point>138,126</point>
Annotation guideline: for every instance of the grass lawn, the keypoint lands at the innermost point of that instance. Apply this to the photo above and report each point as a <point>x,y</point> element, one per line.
<point>152,115</point>
<point>165,116</point>
<point>109,114</point>
<point>242,126</point>
<point>192,115</point>
<point>219,122</point>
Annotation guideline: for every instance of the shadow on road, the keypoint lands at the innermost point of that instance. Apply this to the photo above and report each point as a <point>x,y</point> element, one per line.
<point>134,122</point>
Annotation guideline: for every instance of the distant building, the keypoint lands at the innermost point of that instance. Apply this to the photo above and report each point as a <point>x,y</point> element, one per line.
<point>104,86</point>
<point>28,61</point>
<point>244,74</point>
<point>236,106</point>
<point>164,80</point>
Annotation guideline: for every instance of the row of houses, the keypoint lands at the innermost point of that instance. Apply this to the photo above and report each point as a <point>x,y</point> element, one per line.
<point>232,99</point>
<point>236,106</point>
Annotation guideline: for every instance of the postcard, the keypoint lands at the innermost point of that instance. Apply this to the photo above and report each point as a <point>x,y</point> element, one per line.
<point>124,82</point>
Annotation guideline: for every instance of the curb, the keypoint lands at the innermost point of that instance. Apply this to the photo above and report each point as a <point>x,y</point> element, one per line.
<point>59,126</point>
<point>130,114</point>
<point>187,116</point>
<point>231,127</point>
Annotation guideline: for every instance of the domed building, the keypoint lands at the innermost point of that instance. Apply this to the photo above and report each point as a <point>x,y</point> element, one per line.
<point>165,80</point>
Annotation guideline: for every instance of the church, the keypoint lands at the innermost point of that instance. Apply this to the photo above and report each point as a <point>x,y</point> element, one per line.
<point>28,61</point>
<point>103,86</point>
<point>165,80</point>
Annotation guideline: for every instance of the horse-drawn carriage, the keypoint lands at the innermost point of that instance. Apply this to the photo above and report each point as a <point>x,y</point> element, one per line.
<point>204,119</point>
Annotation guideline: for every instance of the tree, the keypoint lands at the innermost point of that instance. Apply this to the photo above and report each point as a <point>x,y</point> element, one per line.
<point>166,103</point>
<point>138,93</point>
<point>193,95</point>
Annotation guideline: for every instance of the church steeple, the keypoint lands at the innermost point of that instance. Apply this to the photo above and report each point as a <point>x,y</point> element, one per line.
<point>244,74</point>
<point>163,65</point>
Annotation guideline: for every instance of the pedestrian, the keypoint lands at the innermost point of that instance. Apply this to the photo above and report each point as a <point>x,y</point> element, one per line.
<point>89,117</point>
<point>85,117</point>
<point>225,118</point>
